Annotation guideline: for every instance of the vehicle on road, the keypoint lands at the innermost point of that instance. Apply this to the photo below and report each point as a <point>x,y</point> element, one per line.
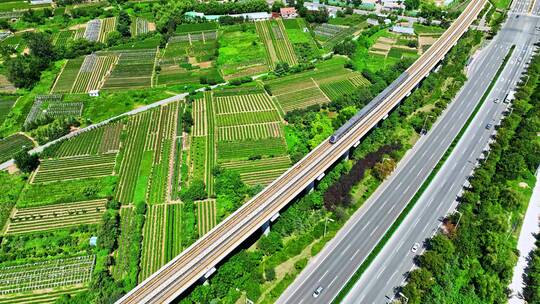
<point>415,247</point>
<point>317,291</point>
<point>489,126</point>
<point>509,97</point>
<point>496,100</point>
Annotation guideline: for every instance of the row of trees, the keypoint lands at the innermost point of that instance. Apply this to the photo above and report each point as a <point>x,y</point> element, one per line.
<point>473,263</point>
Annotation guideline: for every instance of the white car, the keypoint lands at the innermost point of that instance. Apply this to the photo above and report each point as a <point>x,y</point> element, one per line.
<point>317,291</point>
<point>415,247</point>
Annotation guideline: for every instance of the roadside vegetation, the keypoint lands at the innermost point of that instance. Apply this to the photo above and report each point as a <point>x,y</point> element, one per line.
<point>467,263</point>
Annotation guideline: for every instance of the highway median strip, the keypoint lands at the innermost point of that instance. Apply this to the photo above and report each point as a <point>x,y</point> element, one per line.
<point>367,262</point>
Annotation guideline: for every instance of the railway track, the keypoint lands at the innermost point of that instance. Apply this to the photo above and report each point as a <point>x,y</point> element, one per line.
<point>194,262</point>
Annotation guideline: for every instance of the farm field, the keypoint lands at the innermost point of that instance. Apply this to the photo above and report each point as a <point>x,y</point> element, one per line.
<point>52,170</point>
<point>40,296</point>
<point>206,216</point>
<point>62,37</point>
<point>259,172</point>
<point>331,34</point>
<point>102,140</point>
<point>141,26</point>
<point>13,144</point>
<point>189,58</point>
<point>46,274</point>
<point>276,42</point>
<point>25,220</point>
<point>153,245</point>
<point>173,231</point>
<point>241,52</point>
<point>328,81</point>
<point>6,103</point>
<point>144,169</point>
<point>301,39</point>
<point>133,69</point>
<point>52,106</point>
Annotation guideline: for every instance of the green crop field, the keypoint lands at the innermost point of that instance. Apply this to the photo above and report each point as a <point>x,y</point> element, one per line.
<point>62,37</point>
<point>188,57</point>
<point>6,103</point>
<point>210,143</point>
<point>206,216</point>
<point>261,171</point>
<point>27,220</point>
<point>79,167</point>
<point>241,52</point>
<point>13,144</point>
<point>133,70</point>
<point>252,131</point>
<point>173,231</point>
<point>301,39</point>
<point>245,149</point>
<point>126,243</point>
<point>328,81</point>
<point>153,247</point>
<point>64,82</point>
<point>276,42</point>
<point>105,139</point>
<point>41,297</point>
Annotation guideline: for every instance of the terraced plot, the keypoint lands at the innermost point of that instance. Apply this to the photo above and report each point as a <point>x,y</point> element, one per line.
<point>68,75</point>
<point>13,144</point>
<point>277,44</point>
<point>62,37</point>
<point>52,170</point>
<point>261,171</point>
<point>84,74</point>
<point>199,117</point>
<point>26,220</point>
<point>206,216</point>
<point>141,26</point>
<point>108,25</point>
<point>243,103</point>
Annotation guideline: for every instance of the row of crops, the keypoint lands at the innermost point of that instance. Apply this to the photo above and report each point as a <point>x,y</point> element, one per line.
<point>243,103</point>
<point>328,82</point>
<point>173,231</point>
<point>206,216</point>
<point>6,102</point>
<point>261,171</point>
<point>134,69</point>
<point>278,47</point>
<point>102,140</point>
<point>210,143</point>
<point>53,170</point>
<point>153,241</point>
<point>253,131</point>
<point>13,144</point>
<point>25,220</point>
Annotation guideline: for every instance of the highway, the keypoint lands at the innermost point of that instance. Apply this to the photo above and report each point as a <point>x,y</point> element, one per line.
<point>201,257</point>
<point>389,268</point>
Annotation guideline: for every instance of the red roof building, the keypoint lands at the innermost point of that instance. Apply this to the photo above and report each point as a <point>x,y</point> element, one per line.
<point>288,12</point>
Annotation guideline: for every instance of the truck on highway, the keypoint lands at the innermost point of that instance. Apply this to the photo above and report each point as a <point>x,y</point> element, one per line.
<point>509,96</point>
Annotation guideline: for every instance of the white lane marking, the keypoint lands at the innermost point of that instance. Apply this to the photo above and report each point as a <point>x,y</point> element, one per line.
<point>332,281</point>
<point>324,275</point>
<point>355,253</point>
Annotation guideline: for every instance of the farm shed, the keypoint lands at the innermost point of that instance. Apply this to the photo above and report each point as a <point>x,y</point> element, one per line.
<point>403,30</point>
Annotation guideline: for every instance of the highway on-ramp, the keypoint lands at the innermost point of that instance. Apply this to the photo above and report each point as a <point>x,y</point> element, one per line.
<point>389,268</point>
<point>200,258</point>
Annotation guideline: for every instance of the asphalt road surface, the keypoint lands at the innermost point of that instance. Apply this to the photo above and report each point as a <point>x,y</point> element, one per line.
<point>388,270</point>
<point>338,261</point>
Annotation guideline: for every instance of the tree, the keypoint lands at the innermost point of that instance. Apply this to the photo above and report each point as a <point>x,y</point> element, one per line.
<point>196,191</point>
<point>382,169</point>
<point>270,243</point>
<point>269,274</point>
<point>25,161</point>
<point>346,47</point>
<point>124,22</point>
<point>412,4</point>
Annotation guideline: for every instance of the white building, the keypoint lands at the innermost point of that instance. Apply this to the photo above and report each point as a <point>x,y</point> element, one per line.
<point>93,93</point>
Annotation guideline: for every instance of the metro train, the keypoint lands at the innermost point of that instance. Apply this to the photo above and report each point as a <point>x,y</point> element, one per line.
<point>367,109</point>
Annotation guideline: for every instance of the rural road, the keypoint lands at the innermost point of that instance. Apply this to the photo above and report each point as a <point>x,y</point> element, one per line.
<point>337,262</point>
<point>388,269</point>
